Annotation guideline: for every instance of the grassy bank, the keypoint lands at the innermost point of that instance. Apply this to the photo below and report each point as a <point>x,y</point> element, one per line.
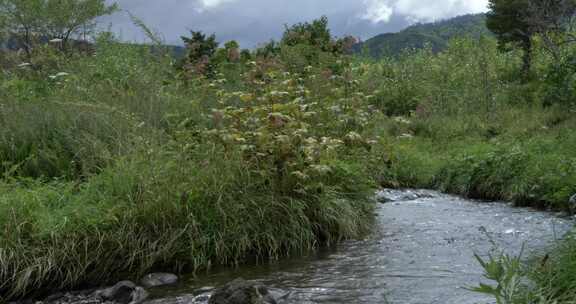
<point>462,122</point>
<point>116,164</point>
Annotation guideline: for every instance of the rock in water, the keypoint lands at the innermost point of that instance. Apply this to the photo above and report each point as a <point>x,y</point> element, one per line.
<point>124,292</point>
<point>159,279</point>
<point>572,204</point>
<point>139,295</point>
<point>240,291</point>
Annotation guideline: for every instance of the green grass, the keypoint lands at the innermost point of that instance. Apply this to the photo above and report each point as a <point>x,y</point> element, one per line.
<point>122,167</point>
<point>530,166</point>
<point>158,213</point>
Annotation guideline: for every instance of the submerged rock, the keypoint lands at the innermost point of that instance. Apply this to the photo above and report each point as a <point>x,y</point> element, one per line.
<point>183,299</point>
<point>572,204</point>
<point>124,292</point>
<point>159,279</point>
<point>240,291</point>
<point>392,195</point>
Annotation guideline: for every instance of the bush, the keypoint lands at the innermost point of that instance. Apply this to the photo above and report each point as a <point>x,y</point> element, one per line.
<point>560,83</point>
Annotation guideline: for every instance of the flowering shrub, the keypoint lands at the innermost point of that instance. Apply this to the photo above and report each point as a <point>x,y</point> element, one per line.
<point>285,131</point>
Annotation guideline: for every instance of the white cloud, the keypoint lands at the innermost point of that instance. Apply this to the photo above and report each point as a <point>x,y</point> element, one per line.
<point>211,4</point>
<point>378,11</point>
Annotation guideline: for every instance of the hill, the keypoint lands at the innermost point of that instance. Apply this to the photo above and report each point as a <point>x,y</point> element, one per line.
<point>436,34</point>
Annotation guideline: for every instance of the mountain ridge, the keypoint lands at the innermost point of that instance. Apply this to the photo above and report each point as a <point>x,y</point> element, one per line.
<point>436,35</point>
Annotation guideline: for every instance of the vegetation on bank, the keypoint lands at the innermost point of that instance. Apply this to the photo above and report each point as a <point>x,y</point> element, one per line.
<point>119,160</point>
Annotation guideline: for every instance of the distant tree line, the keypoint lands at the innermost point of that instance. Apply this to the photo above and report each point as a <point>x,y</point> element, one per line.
<point>309,41</point>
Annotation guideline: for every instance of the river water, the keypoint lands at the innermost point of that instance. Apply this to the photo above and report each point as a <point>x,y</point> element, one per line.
<point>421,252</point>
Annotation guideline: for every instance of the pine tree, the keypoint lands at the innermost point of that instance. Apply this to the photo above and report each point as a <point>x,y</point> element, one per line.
<point>201,50</point>
<point>508,20</point>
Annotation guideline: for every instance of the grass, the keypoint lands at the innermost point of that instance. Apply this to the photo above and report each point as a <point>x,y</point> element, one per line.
<point>122,167</point>
<point>159,213</point>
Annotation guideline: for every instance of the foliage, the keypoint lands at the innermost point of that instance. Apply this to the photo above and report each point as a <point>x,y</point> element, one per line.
<point>200,49</point>
<point>560,83</point>
<point>254,162</point>
<point>311,44</point>
<point>33,20</point>
<point>506,271</point>
<point>517,22</point>
<point>268,50</point>
<point>315,34</point>
<point>508,20</point>
<point>545,279</point>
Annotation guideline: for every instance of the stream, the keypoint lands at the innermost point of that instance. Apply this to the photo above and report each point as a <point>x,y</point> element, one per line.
<point>421,252</point>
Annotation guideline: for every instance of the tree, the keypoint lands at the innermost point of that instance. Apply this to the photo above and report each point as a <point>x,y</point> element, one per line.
<point>68,18</point>
<point>201,50</point>
<point>33,20</point>
<point>232,49</point>
<point>518,21</point>
<point>24,19</point>
<point>507,19</point>
<point>314,34</point>
<point>267,50</point>
<point>554,21</point>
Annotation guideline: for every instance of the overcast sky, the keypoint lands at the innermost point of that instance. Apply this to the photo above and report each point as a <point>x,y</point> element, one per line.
<point>251,22</point>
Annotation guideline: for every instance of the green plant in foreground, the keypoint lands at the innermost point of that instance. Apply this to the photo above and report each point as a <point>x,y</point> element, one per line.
<point>508,274</point>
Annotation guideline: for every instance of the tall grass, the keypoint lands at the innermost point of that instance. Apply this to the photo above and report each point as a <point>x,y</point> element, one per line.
<point>120,167</point>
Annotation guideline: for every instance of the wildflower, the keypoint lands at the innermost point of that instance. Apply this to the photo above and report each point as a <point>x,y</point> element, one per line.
<point>311,141</point>
<point>283,138</point>
<point>354,137</point>
<point>322,169</point>
<point>58,75</point>
<point>406,136</point>
<point>300,175</point>
<point>309,114</point>
<point>246,97</point>
<point>402,120</point>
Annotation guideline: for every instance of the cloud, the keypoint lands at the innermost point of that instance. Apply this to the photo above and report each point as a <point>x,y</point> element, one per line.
<point>380,11</point>
<point>377,11</point>
<point>252,22</point>
<point>211,4</point>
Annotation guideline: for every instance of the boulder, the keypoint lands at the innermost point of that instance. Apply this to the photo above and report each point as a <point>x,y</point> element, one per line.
<point>158,279</point>
<point>124,292</point>
<point>240,291</point>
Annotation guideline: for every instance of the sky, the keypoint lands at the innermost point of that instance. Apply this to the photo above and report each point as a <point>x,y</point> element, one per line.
<point>252,22</point>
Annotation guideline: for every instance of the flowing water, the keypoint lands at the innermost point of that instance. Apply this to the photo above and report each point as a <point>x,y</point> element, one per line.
<point>422,252</point>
